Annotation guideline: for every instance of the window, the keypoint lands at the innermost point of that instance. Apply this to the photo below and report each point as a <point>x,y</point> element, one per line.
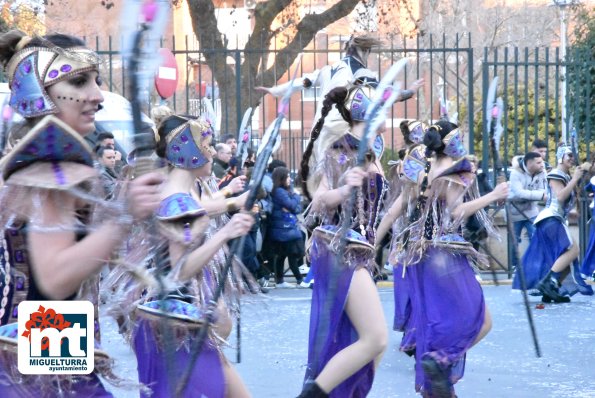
<point>311,94</point>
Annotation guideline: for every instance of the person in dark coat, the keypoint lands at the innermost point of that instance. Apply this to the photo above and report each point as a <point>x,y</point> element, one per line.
<point>284,230</point>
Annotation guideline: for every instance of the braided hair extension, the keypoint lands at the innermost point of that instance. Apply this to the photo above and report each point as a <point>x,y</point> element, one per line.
<point>336,97</point>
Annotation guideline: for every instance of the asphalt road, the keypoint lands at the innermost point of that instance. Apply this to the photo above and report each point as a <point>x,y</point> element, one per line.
<point>274,349</point>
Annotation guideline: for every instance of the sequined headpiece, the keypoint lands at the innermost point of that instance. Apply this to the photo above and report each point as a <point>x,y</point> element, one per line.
<point>562,151</point>
<point>414,163</point>
<point>417,130</point>
<point>358,101</point>
<point>453,143</point>
<point>188,145</point>
<point>31,70</point>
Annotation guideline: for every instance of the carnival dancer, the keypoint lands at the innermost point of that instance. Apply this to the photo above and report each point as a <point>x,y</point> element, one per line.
<point>193,257</point>
<point>448,311</point>
<point>552,253</point>
<point>397,217</point>
<point>340,74</point>
<point>344,343</point>
<point>53,246</point>
<point>588,266</point>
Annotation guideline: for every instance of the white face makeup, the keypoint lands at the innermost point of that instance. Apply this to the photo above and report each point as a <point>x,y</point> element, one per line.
<point>78,99</point>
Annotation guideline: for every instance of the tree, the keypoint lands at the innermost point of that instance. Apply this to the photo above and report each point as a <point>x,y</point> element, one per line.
<point>299,33</point>
<point>23,15</point>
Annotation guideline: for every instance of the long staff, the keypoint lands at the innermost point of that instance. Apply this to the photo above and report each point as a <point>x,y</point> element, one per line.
<point>494,109</point>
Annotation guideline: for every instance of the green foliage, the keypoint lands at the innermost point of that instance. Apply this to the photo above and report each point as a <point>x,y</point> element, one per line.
<point>581,75</point>
<point>388,155</point>
<point>523,123</point>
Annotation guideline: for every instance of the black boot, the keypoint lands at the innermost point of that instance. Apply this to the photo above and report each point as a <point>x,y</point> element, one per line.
<point>549,286</point>
<point>312,390</point>
<point>548,299</point>
<point>440,386</point>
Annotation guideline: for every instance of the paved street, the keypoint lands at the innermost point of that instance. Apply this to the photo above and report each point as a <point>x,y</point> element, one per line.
<point>274,349</point>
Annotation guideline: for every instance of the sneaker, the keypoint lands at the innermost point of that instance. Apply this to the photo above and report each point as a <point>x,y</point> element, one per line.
<point>304,269</point>
<point>305,284</point>
<point>264,283</point>
<point>285,285</point>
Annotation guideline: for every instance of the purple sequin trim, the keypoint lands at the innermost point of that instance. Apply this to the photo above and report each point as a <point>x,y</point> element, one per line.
<point>39,103</point>
<point>342,159</point>
<point>195,160</point>
<point>27,66</point>
<point>53,73</point>
<point>175,148</point>
<point>58,174</point>
<point>187,234</point>
<point>20,285</point>
<point>32,148</point>
<point>182,204</point>
<point>184,138</point>
<point>65,68</point>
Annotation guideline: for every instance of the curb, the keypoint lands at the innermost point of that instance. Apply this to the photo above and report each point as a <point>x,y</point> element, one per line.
<point>488,282</point>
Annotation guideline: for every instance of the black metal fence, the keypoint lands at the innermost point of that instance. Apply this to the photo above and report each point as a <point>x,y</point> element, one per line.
<point>531,86</point>
<point>446,66</point>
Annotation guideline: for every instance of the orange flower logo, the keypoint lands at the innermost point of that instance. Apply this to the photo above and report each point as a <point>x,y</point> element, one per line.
<point>43,319</point>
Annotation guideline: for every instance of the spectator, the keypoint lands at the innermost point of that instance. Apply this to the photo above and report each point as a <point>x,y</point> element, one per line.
<point>540,146</point>
<point>284,229</point>
<point>109,177</point>
<point>230,140</point>
<point>221,160</point>
<point>106,139</point>
<point>268,253</point>
<point>528,185</point>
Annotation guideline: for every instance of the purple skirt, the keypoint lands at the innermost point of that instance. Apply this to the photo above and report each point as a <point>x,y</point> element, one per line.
<point>332,332</point>
<point>206,378</point>
<point>402,321</point>
<point>448,311</point>
<point>588,266</point>
<point>44,387</point>
<point>549,242</point>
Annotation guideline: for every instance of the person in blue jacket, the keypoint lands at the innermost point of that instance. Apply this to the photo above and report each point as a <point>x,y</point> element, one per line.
<point>284,231</point>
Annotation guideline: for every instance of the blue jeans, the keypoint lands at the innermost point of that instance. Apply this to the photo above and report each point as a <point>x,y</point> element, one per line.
<point>527,224</point>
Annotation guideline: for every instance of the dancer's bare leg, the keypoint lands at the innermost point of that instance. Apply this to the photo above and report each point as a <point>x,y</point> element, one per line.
<point>566,258</point>
<point>486,327</point>
<point>365,312</point>
<point>234,385</point>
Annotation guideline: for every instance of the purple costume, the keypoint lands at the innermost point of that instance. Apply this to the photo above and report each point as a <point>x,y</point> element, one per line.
<point>162,362</point>
<point>446,309</point>
<point>588,266</point>
<point>332,332</point>
<point>51,158</point>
